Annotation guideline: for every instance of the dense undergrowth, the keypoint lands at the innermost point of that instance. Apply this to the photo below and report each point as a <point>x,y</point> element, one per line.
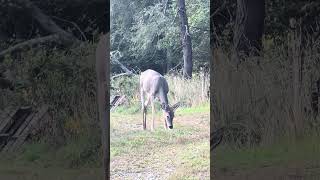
<point>263,102</point>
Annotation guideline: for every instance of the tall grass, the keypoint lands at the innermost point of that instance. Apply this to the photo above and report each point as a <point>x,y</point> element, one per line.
<point>191,92</point>
<point>271,100</point>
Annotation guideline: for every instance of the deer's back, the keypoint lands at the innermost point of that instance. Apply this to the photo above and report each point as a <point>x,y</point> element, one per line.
<point>153,82</point>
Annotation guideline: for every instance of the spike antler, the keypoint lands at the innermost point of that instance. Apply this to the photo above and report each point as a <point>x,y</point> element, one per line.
<point>175,106</point>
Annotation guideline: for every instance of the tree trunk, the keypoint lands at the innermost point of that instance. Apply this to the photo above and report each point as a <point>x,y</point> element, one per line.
<point>169,59</point>
<point>102,70</point>
<point>249,27</point>
<point>185,40</point>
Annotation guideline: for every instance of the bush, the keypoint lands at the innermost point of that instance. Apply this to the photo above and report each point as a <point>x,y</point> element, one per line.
<point>63,79</point>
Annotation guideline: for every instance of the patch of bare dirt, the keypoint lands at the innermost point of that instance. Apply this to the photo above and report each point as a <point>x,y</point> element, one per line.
<point>150,165</point>
<point>199,120</point>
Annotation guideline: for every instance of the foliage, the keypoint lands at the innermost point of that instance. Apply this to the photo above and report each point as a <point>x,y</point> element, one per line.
<point>150,38</point>
<point>65,80</point>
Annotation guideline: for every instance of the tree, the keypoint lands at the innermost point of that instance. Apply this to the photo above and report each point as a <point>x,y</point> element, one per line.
<point>185,40</point>
<point>102,56</point>
<point>249,26</point>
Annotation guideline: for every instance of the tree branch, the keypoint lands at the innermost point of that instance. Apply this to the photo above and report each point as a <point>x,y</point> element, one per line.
<point>122,74</point>
<point>30,43</point>
<point>74,24</point>
<point>122,66</point>
<point>219,9</point>
<point>46,22</point>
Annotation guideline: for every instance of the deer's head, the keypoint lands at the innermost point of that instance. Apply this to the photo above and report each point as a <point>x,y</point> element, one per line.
<point>168,113</point>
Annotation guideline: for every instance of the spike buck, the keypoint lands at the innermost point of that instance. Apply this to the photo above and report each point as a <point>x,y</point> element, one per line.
<point>102,56</point>
<point>154,86</point>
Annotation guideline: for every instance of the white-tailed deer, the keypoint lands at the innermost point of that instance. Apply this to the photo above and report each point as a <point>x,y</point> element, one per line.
<point>154,85</point>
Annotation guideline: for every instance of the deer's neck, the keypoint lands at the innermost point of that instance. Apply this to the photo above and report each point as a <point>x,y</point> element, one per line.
<point>163,97</point>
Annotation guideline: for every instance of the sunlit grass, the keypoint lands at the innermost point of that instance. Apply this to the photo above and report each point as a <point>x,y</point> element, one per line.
<point>186,147</point>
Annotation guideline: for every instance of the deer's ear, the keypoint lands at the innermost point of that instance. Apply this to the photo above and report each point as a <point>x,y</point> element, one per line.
<point>175,106</point>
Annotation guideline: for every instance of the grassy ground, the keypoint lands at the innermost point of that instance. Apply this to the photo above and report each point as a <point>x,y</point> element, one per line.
<point>34,172</point>
<point>39,162</point>
<point>181,153</point>
<point>285,160</point>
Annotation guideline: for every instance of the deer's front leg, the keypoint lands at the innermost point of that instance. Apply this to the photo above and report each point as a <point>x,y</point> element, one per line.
<point>165,124</point>
<point>152,105</point>
<point>144,121</point>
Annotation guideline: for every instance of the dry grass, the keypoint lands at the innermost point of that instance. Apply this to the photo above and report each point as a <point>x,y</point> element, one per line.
<point>267,99</point>
<point>192,92</point>
<point>267,104</point>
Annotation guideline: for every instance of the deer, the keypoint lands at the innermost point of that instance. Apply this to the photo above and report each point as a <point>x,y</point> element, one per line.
<point>155,86</point>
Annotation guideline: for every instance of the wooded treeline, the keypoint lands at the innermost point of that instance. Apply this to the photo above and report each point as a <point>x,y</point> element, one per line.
<point>148,34</point>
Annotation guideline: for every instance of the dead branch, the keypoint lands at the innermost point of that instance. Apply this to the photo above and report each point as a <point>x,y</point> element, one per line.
<point>46,22</point>
<point>122,74</point>
<point>31,42</point>
<point>219,9</point>
<point>122,66</point>
<point>174,68</point>
<point>74,24</point>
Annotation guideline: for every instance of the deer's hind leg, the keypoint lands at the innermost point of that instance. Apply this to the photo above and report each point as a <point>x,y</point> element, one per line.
<point>153,108</point>
<point>144,110</point>
<point>144,107</point>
